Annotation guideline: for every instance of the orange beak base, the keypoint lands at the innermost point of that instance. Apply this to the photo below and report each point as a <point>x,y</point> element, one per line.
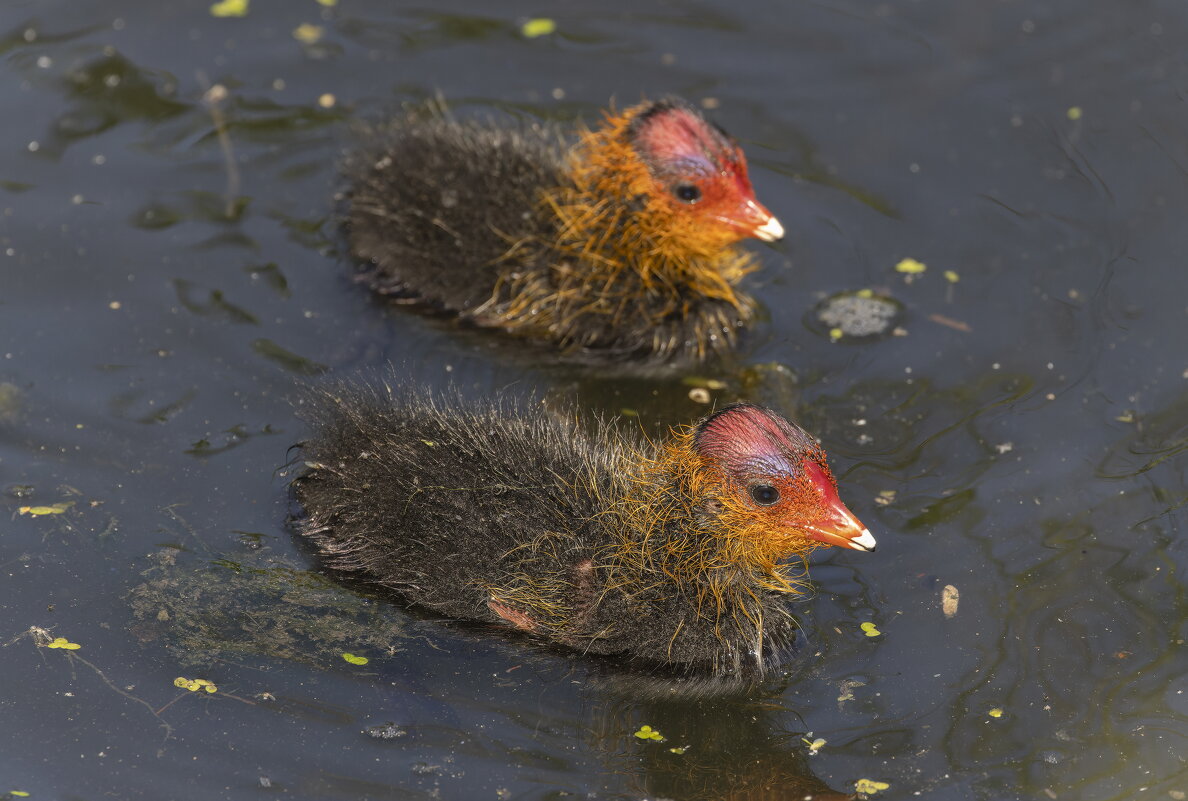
<point>839,527</point>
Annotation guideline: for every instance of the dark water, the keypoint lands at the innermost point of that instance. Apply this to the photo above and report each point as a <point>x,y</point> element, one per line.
<point>1024,442</point>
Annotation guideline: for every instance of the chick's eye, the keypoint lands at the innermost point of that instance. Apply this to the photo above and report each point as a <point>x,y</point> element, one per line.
<point>687,193</point>
<point>765,494</point>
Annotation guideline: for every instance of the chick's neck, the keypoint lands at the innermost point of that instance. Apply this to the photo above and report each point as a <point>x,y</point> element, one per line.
<point>676,527</point>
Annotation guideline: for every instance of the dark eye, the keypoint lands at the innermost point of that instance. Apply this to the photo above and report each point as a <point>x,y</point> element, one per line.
<point>765,494</point>
<point>687,192</point>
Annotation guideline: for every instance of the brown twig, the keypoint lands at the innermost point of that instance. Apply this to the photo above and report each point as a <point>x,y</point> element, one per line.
<point>213,96</point>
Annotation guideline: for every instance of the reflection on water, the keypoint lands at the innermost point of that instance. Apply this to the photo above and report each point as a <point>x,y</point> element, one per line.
<point>679,739</point>
<point>729,748</point>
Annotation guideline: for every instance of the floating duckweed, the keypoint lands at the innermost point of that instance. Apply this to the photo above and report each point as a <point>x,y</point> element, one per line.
<point>996,712</point>
<point>328,3</point>
<point>62,642</point>
<point>869,786</point>
<point>193,685</point>
<point>648,733</point>
<point>910,267</point>
<point>814,745</point>
<point>18,793</point>
<point>870,630</point>
<point>1074,113</point>
<point>53,509</point>
<point>230,8</point>
<point>678,749</point>
<point>951,276</point>
<point>355,660</point>
<point>307,33</point>
<point>836,333</point>
<point>538,26</point>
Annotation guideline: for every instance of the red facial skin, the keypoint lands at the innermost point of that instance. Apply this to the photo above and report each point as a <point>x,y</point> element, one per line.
<point>700,171</point>
<point>778,473</point>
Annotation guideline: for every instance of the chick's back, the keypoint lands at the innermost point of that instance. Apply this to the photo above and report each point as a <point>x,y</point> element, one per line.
<point>438,209</point>
<point>441,501</point>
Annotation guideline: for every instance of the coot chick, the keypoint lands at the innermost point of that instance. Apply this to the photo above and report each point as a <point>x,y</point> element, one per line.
<point>620,246</point>
<point>672,554</point>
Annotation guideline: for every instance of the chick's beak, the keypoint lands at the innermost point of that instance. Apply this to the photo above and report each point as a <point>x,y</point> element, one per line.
<point>839,527</point>
<point>751,219</point>
<point>755,220</point>
<point>769,230</point>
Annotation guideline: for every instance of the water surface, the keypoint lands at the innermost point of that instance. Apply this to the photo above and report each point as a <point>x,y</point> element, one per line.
<point>1022,440</point>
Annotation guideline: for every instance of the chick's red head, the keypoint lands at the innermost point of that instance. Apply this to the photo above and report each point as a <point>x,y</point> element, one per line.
<point>698,172</point>
<point>775,484</point>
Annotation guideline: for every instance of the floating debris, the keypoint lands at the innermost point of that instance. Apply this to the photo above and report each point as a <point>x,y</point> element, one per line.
<point>870,630</point>
<point>949,600</point>
<point>193,685</point>
<point>959,325</point>
<point>230,8</point>
<point>869,786</point>
<point>385,731</point>
<point>297,615</point>
<point>307,34</point>
<point>861,315</point>
<point>910,267</point>
<point>847,687</point>
<point>39,511</point>
<point>538,26</point>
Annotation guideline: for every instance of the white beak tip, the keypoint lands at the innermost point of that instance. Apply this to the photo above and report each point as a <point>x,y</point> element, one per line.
<point>865,542</point>
<point>770,231</point>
